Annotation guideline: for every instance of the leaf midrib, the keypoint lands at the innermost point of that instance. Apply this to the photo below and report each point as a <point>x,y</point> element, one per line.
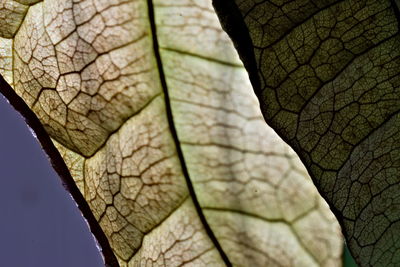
<point>174,134</point>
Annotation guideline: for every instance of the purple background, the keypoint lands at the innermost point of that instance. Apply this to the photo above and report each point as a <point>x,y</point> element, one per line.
<point>40,225</point>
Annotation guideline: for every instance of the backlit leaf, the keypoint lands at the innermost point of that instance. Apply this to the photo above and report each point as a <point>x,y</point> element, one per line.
<point>153,114</point>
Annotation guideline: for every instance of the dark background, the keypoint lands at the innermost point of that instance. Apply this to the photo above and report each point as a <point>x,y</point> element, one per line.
<point>40,225</point>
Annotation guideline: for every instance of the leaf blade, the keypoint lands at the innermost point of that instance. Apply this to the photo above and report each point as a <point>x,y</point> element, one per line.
<point>96,87</point>
<point>328,83</point>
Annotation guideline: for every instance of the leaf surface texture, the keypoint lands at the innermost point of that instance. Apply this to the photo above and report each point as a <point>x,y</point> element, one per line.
<point>327,77</point>
<point>153,113</point>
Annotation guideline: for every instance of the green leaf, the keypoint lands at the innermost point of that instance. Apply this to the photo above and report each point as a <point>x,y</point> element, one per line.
<point>327,76</point>
<point>154,117</point>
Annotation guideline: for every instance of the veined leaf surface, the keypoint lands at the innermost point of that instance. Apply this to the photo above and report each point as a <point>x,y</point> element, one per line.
<point>153,114</point>
<point>327,76</point>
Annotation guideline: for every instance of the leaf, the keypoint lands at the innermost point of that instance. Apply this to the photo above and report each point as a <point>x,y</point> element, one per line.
<point>327,76</point>
<point>152,112</point>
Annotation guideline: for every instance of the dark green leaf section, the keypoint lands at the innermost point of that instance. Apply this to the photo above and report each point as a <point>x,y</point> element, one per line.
<point>348,260</point>
<point>327,74</point>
